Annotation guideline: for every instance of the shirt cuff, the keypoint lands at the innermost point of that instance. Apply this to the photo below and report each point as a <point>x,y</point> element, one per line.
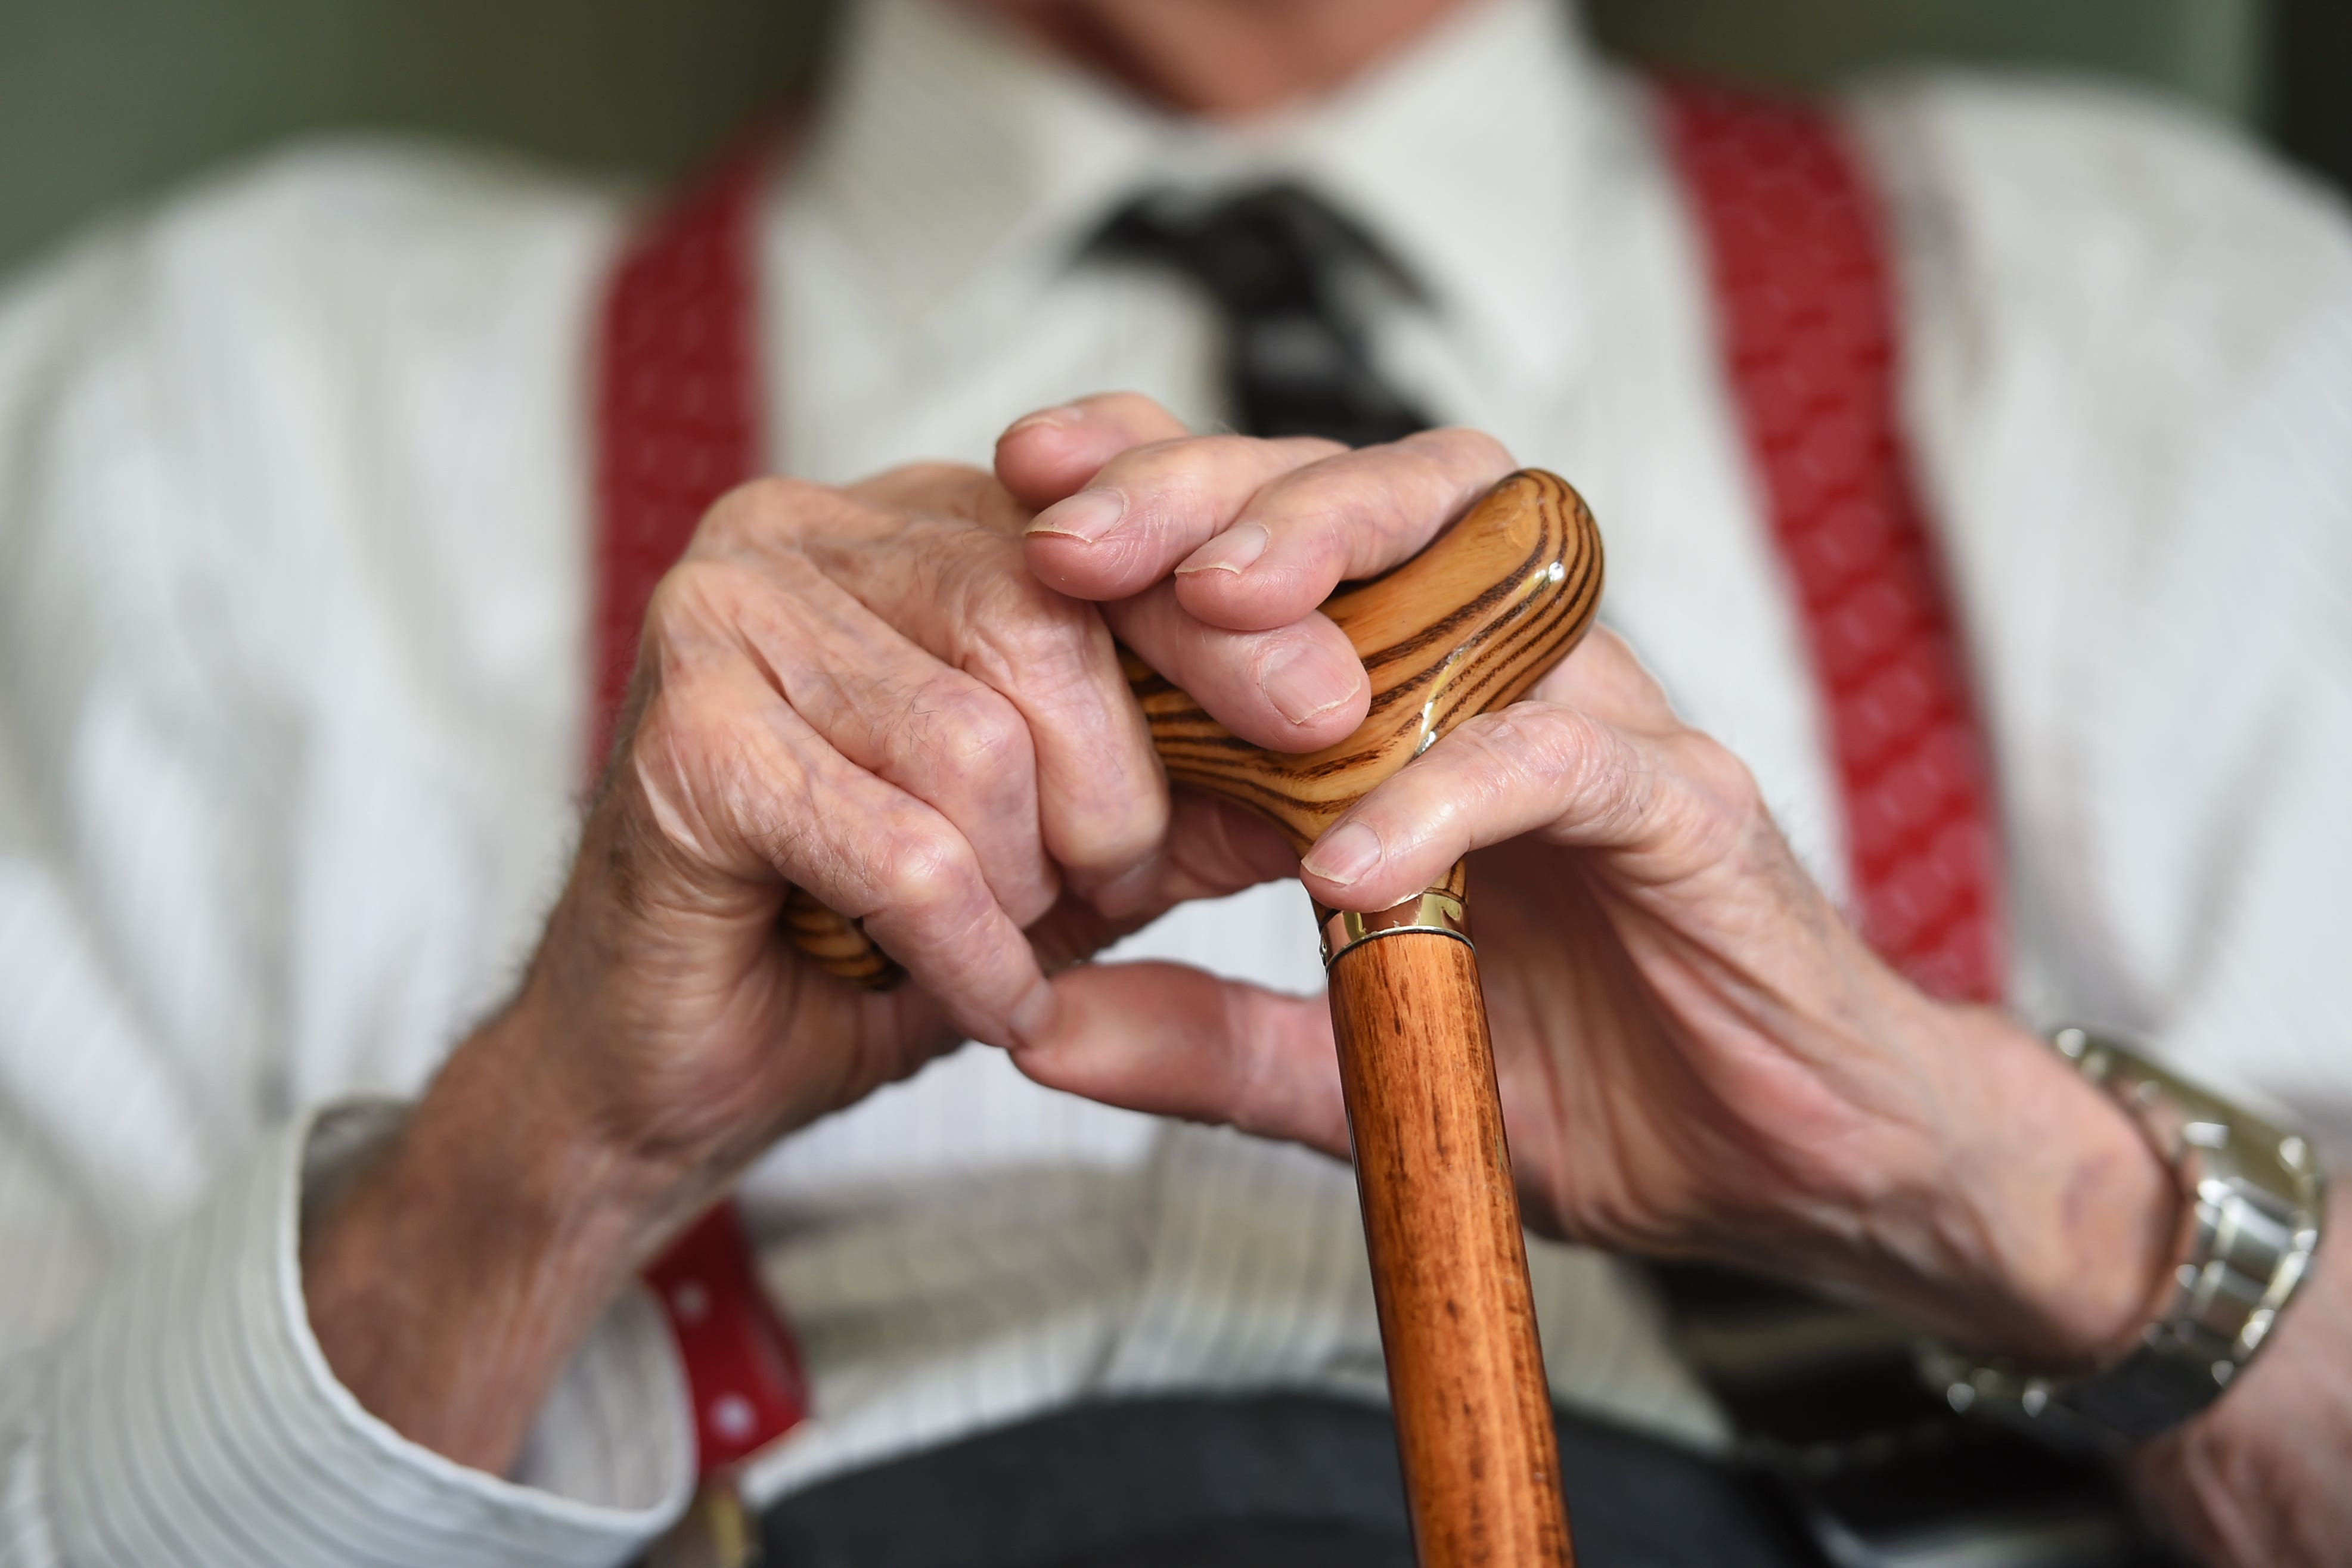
<point>196,1420</point>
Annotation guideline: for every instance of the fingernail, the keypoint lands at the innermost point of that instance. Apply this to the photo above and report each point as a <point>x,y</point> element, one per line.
<point>1088,516</point>
<point>1032,1017</point>
<point>1303,682</point>
<point>1054,418</point>
<point>1232,551</point>
<point>1343,854</point>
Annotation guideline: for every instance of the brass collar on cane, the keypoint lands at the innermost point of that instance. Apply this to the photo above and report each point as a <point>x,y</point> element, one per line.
<point>1434,909</point>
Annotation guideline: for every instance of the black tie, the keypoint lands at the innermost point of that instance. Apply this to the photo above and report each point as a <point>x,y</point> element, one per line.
<point>1286,273</point>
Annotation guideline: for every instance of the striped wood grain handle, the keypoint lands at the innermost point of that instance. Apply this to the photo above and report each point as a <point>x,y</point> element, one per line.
<point>1468,624</point>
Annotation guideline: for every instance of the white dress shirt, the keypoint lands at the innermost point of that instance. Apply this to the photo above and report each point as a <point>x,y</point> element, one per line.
<point>293,657</point>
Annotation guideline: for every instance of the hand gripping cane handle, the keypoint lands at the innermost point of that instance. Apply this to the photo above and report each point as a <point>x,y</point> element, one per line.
<point>1468,624</point>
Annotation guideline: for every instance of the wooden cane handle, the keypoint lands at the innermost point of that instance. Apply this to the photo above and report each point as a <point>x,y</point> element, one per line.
<point>1468,624</point>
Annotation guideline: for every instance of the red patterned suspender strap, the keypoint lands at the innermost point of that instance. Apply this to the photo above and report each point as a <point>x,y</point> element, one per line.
<point>1806,316</point>
<point>742,1365</point>
<point>678,403</point>
<point>677,426</point>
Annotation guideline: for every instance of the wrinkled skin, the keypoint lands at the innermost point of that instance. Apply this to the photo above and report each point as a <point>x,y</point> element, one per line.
<point>903,696</point>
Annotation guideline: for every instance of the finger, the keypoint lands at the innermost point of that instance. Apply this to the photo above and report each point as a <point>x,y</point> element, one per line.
<point>903,714</point>
<point>1298,688</point>
<point>1151,506</point>
<point>1530,767</point>
<point>733,777</point>
<point>1044,456</point>
<point>1348,516</point>
<point>966,597</point>
<point>1217,847</point>
<point>1214,848</point>
<point>1175,1042</point>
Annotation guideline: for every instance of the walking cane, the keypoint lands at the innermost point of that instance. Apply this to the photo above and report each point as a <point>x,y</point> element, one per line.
<point>1468,624</point>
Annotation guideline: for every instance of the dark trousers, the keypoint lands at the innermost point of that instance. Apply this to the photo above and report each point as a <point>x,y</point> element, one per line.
<point>1289,1480</point>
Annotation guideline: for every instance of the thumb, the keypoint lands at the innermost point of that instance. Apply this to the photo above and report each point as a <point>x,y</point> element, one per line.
<point>1177,1041</point>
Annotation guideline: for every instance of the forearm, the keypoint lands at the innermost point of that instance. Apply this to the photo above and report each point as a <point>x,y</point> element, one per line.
<point>452,1280</point>
<point>2258,1481</point>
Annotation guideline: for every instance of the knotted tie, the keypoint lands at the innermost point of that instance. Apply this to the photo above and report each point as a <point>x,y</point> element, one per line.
<point>1289,276</point>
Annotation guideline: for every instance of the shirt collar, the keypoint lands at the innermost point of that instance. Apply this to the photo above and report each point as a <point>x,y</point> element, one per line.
<point>960,165</point>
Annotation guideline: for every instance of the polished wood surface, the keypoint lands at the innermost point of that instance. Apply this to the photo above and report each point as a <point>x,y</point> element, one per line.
<point>1449,1265</point>
<point>838,944</point>
<point>1468,624</point>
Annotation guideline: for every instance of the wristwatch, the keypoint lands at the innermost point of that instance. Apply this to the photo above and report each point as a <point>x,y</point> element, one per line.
<point>2252,1201</point>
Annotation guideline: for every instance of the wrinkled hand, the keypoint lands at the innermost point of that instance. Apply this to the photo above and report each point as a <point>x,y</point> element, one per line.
<point>1698,1057</point>
<point>868,694</point>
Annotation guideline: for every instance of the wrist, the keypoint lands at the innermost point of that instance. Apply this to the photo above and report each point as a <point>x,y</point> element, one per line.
<point>451,1281</point>
<point>2050,1221</point>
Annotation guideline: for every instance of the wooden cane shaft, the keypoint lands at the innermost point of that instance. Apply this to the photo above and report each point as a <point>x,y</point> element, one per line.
<point>1449,1266</point>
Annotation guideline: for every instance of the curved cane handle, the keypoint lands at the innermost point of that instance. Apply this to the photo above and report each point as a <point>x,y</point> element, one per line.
<point>1481,614</point>
<point>1470,623</point>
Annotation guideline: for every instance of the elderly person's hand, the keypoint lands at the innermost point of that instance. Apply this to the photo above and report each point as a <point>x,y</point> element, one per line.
<point>865,693</point>
<point>1698,1056</point>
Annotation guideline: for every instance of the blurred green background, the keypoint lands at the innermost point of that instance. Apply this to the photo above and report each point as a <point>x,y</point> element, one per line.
<point>105,101</point>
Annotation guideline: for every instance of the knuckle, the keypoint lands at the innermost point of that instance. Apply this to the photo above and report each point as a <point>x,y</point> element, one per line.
<point>927,873</point>
<point>1327,495</point>
<point>972,735</point>
<point>692,733</point>
<point>1162,480</point>
<point>676,603</point>
<point>1357,506</point>
<point>1571,757</point>
<point>768,510</point>
<point>1542,739</point>
<point>697,598</point>
<point>1726,786</point>
<point>1023,636</point>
